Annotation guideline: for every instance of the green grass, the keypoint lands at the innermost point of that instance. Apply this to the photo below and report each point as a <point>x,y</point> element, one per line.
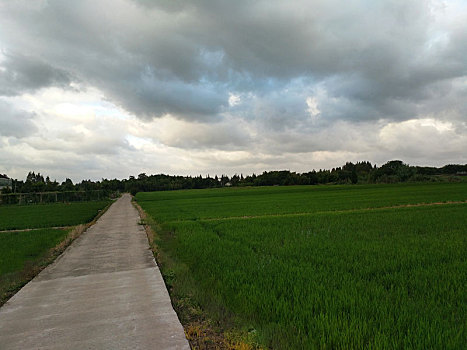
<point>18,249</point>
<point>385,278</point>
<point>23,253</point>
<point>49,215</point>
<point>228,202</point>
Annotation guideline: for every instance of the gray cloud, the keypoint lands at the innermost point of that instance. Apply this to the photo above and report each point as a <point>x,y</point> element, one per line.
<point>22,74</point>
<point>381,60</point>
<point>15,123</point>
<point>361,65</point>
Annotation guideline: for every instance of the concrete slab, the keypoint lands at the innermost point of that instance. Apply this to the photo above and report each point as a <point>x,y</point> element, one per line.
<point>104,292</point>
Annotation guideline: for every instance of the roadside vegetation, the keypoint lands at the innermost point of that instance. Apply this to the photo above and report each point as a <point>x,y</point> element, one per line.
<point>374,266</point>
<point>32,236</point>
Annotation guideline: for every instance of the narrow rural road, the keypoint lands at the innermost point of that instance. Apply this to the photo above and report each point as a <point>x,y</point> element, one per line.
<point>104,292</point>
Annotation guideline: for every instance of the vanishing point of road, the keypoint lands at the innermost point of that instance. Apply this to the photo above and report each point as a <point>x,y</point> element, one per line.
<point>104,292</point>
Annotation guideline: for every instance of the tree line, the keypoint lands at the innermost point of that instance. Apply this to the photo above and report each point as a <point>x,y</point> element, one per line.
<point>361,172</point>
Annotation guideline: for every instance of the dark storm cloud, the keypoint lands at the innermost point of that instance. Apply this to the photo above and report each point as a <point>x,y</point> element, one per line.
<point>21,74</point>
<point>375,60</point>
<point>150,96</point>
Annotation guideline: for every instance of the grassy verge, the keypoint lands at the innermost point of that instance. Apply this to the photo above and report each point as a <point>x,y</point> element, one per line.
<point>201,330</point>
<point>23,254</point>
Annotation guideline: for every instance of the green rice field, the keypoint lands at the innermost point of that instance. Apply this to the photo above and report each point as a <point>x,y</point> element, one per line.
<point>20,247</point>
<point>48,215</point>
<point>30,234</point>
<point>322,267</point>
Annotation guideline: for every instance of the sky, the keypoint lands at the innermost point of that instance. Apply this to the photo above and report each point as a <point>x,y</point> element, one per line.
<point>112,88</point>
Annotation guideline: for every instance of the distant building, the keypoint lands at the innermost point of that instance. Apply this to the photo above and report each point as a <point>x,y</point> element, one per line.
<point>228,184</point>
<point>5,181</point>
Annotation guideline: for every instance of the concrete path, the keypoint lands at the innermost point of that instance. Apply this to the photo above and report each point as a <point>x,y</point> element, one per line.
<point>104,292</point>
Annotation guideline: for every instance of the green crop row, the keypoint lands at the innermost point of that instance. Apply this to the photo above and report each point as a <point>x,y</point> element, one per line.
<point>229,202</point>
<point>49,215</point>
<point>19,248</point>
<point>381,279</point>
<point>23,254</point>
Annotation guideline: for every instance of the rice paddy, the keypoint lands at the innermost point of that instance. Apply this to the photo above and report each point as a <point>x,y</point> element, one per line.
<point>322,267</point>
<point>16,217</point>
<point>31,236</point>
<point>22,247</point>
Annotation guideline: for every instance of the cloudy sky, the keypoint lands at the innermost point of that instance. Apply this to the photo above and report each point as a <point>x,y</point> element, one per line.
<point>112,88</point>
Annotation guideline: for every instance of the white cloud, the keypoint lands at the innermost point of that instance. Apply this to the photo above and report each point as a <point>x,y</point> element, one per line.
<point>234,99</point>
<point>312,104</point>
